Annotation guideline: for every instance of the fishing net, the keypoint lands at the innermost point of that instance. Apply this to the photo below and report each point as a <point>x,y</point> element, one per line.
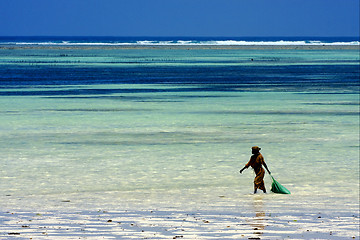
<point>276,187</point>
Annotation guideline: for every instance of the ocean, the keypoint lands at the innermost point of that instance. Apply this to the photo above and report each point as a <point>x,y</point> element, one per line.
<point>167,123</point>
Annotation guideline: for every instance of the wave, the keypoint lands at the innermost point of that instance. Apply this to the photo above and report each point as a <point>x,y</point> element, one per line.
<point>184,43</point>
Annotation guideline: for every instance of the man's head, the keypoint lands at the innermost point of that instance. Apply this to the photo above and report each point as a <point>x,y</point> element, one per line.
<point>255,149</point>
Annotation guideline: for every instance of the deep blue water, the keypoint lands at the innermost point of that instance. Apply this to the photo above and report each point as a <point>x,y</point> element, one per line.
<point>287,78</point>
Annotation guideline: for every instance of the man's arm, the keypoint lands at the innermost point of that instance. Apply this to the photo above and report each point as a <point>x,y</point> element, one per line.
<point>266,168</point>
<point>243,169</point>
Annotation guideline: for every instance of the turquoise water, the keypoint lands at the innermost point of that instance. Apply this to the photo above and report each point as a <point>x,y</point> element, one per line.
<point>164,121</point>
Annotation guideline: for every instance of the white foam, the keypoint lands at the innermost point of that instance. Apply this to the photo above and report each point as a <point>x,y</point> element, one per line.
<point>189,43</point>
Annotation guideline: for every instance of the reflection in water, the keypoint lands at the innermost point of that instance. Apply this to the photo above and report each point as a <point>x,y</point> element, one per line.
<point>258,222</point>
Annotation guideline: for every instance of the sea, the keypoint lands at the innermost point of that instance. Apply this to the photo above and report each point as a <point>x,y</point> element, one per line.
<point>167,123</point>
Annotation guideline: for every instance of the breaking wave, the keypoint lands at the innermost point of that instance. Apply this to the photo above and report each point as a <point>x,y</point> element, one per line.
<point>103,41</point>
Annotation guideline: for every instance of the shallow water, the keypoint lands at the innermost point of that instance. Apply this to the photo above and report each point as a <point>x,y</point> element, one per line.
<point>173,127</point>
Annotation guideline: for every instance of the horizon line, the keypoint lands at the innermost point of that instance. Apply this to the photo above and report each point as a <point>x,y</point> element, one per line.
<point>174,36</point>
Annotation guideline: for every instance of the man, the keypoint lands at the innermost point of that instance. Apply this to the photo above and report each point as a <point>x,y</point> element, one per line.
<point>256,162</point>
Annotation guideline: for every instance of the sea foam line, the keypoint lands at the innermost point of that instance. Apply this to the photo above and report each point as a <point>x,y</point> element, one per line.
<point>189,43</point>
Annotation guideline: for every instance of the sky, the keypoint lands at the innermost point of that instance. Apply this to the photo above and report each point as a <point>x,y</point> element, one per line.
<point>217,18</point>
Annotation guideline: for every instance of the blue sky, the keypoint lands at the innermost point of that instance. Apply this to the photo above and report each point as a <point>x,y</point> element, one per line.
<point>235,18</point>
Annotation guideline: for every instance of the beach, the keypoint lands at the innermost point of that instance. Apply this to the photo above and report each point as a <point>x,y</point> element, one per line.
<point>146,142</point>
<point>214,217</point>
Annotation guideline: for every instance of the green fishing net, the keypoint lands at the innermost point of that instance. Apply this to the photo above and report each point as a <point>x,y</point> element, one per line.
<point>276,187</point>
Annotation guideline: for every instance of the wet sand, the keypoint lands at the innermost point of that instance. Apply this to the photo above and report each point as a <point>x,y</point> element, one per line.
<point>162,216</point>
